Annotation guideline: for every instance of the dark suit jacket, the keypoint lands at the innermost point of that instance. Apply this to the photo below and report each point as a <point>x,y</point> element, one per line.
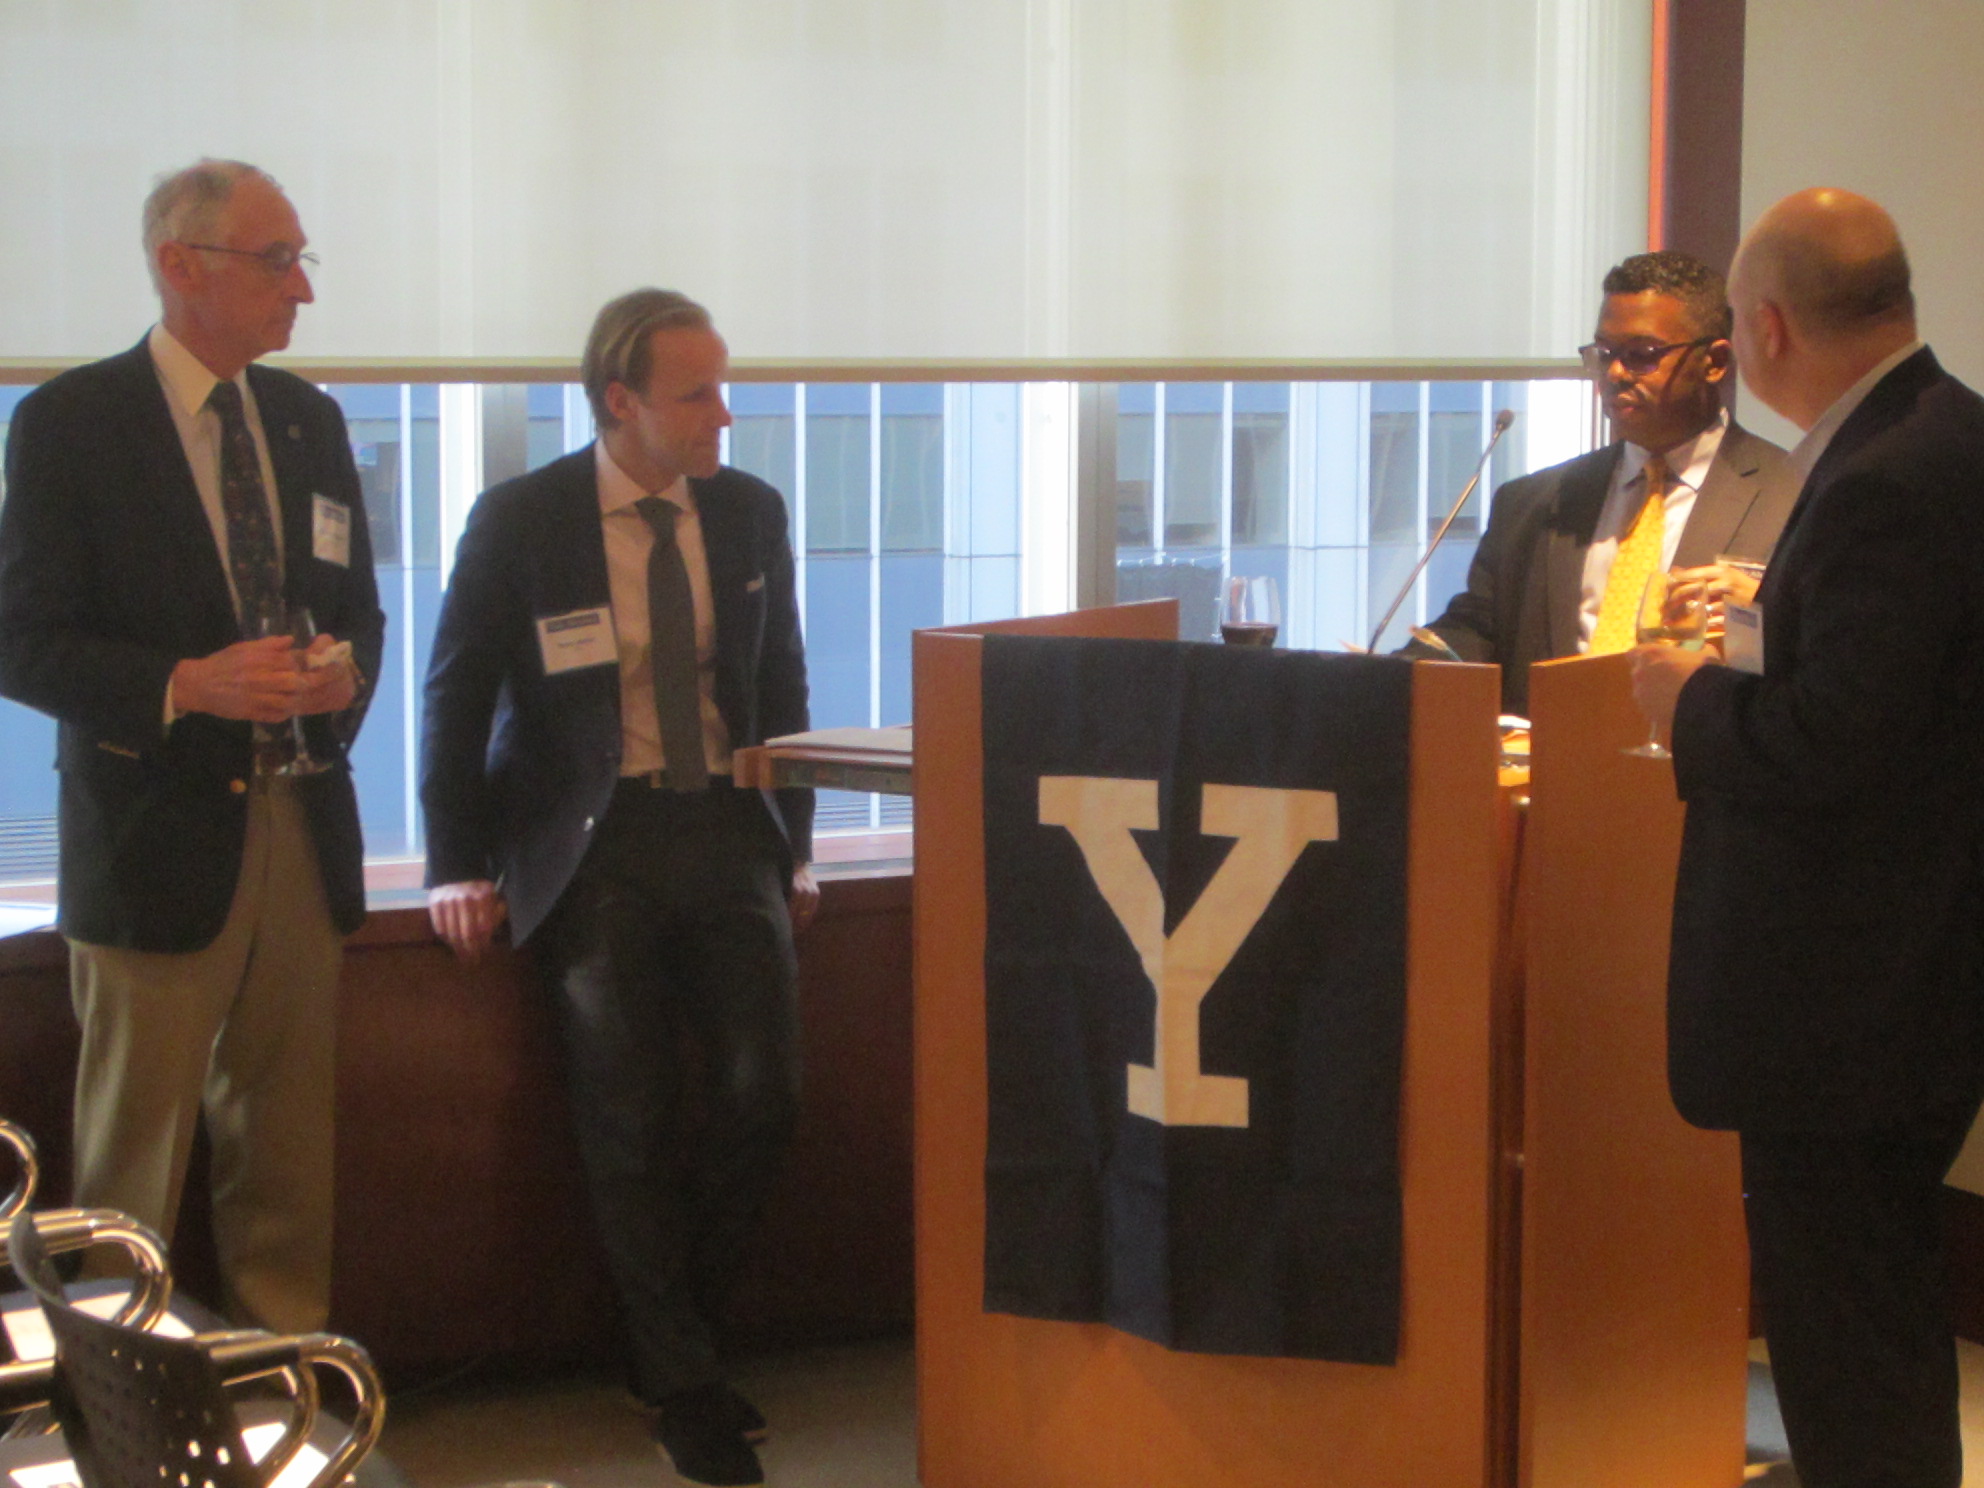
<point>1526,584</point>
<point>1825,971</point>
<point>109,576</point>
<point>518,766</point>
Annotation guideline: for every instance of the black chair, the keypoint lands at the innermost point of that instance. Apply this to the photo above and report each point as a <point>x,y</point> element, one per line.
<point>141,1303</point>
<point>139,1409</point>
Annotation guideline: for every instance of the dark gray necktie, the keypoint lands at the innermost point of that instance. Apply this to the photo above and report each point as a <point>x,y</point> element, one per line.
<point>251,536</point>
<point>672,652</point>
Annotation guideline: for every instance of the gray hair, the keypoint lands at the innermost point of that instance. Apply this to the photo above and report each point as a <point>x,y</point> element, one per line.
<point>185,205</point>
<point>619,350</point>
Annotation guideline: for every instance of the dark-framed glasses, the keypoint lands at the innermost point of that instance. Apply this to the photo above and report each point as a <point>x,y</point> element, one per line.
<point>1598,357</point>
<point>277,258</point>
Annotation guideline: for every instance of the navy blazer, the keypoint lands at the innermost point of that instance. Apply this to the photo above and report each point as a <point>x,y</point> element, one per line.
<point>518,766</point>
<point>1827,967</point>
<point>109,576</point>
<point>1525,587</point>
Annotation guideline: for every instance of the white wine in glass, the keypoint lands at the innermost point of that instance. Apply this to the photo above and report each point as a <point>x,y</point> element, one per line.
<point>296,622</point>
<point>1251,613</point>
<point>1662,624</point>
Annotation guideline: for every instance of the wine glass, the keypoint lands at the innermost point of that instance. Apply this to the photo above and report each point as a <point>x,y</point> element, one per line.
<point>296,622</point>
<point>1660,623</point>
<point>1251,612</point>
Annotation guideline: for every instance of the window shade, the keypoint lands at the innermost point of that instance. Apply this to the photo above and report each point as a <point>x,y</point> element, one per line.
<point>891,179</point>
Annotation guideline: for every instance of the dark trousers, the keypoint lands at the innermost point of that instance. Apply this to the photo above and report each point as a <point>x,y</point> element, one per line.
<point>671,958</point>
<point>1846,1244</point>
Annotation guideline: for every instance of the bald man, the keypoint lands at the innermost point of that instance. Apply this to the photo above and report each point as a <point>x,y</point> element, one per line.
<point>1826,986</point>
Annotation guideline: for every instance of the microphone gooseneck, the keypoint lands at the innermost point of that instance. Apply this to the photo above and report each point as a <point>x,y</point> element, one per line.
<point>1502,421</point>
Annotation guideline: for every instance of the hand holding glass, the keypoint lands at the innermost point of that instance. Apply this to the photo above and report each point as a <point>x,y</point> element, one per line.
<point>1251,614</point>
<point>1682,622</point>
<point>297,623</point>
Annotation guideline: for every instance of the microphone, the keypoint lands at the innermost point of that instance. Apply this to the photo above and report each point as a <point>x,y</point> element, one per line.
<point>1502,422</point>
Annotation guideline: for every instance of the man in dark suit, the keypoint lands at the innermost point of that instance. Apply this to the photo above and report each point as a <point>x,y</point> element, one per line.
<point>165,510</point>
<point>616,624</point>
<point>1826,987</point>
<point>1543,580</point>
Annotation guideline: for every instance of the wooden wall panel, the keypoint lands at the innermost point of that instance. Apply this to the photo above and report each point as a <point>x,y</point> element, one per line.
<point>462,1228</point>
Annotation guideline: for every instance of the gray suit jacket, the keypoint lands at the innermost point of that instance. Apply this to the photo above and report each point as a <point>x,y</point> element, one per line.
<point>1526,584</point>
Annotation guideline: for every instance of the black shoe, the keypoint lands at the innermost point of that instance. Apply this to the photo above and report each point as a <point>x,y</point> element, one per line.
<point>748,1418</point>
<point>750,1421</point>
<point>700,1431</point>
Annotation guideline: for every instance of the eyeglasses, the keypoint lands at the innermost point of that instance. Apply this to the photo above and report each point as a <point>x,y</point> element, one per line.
<point>1637,360</point>
<point>278,258</point>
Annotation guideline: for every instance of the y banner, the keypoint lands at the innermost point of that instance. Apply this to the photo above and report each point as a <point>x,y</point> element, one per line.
<point>1195,989</point>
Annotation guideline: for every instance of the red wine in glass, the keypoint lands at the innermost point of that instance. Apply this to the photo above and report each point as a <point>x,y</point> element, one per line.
<point>1251,612</point>
<point>1248,633</point>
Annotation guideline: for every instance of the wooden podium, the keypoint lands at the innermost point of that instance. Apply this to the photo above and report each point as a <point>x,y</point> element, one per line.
<point>1635,1269</point>
<point>1589,1330</point>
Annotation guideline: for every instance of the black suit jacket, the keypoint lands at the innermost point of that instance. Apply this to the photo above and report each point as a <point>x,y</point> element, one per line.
<point>1825,969</point>
<point>517,766</point>
<point>1526,584</point>
<point>109,576</point>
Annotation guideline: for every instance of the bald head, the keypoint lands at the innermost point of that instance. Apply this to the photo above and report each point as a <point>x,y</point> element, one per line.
<point>1821,296</point>
<point>1834,263</point>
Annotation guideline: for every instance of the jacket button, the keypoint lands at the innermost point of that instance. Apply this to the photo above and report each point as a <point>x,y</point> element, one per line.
<point>588,826</point>
<point>239,787</point>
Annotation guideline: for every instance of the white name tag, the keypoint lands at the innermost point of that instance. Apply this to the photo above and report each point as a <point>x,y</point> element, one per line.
<point>330,531</point>
<point>584,638</point>
<point>1743,637</point>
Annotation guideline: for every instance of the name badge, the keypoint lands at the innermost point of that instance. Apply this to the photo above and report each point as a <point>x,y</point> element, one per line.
<point>330,531</point>
<point>583,638</point>
<point>1743,637</point>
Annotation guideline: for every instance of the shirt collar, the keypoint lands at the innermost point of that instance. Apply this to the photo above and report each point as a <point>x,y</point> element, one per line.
<point>1687,462</point>
<point>618,491</point>
<point>1806,455</point>
<point>187,381</point>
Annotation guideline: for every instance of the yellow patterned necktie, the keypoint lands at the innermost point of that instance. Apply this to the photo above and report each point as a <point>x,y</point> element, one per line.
<point>1634,564</point>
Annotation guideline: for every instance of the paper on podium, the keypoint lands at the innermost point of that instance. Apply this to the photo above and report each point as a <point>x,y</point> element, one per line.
<point>854,759</point>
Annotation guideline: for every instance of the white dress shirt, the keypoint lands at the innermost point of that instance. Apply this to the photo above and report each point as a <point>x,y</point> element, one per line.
<point>1806,455</point>
<point>188,384</point>
<point>1687,465</point>
<point>629,541</point>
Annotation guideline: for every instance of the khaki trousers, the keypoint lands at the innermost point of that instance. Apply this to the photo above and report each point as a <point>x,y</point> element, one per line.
<point>246,1030</point>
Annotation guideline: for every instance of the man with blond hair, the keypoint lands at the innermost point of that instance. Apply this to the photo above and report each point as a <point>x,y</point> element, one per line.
<point>617,623</point>
<point>1826,987</point>
<point>168,512</point>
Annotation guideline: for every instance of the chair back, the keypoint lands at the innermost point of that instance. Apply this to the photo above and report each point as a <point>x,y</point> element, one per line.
<point>141,1409</point>
<point>137,1409</point>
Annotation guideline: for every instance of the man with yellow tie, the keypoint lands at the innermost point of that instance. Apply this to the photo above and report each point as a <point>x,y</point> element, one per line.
<point>1568,550</point>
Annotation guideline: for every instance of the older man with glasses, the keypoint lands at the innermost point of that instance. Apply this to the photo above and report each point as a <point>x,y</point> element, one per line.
<point>1568,550</point>
<point>173,514</point>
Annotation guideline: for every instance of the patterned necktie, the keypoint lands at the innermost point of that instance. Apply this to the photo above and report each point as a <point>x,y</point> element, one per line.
<point>251,535</point>
<point>672,652</point>
<point>1637,558</point>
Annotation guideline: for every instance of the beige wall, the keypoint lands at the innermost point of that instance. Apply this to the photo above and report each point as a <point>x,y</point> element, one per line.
<point>1882,98</point>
